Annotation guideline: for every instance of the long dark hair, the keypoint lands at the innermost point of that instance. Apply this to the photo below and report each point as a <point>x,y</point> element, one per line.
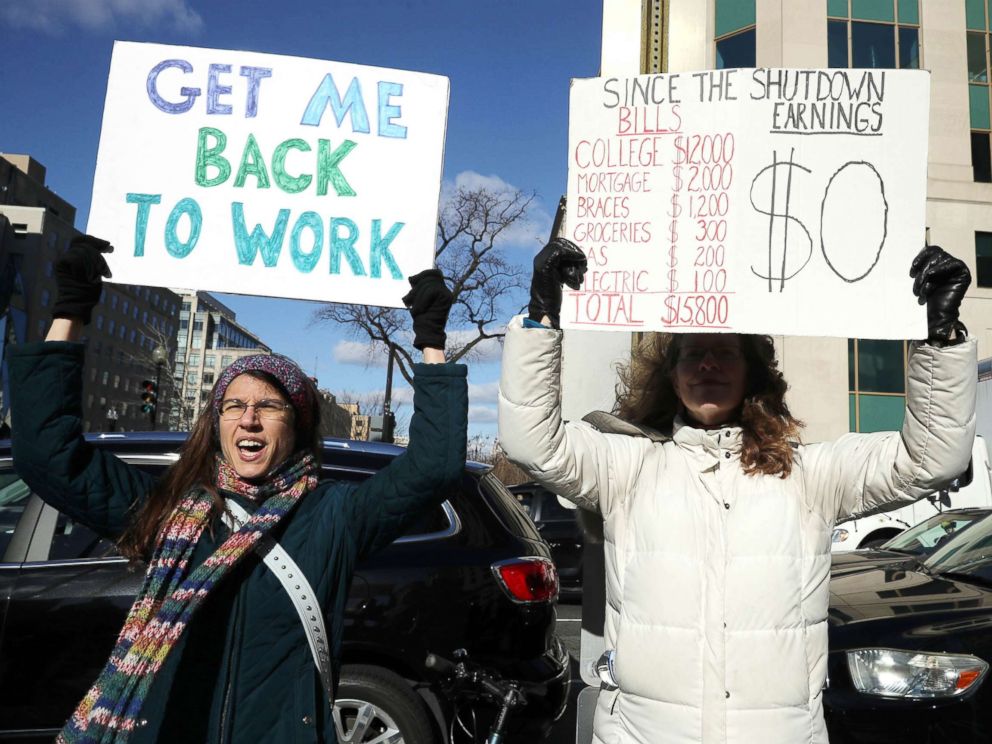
<point>646,395</point>
<point>196,468</point>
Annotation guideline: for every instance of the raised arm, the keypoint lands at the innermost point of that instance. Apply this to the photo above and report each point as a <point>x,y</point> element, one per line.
<point>49,451</point>
<point>383,506</point>
<point>573,460</point>
<point>862,473</point>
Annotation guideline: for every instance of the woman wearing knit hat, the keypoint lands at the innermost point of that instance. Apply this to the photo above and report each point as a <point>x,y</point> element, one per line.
<point>213,648</point>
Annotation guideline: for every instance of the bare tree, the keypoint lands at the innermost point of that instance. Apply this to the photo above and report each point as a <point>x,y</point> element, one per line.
<point>505,470</point>
<point>472,227</point>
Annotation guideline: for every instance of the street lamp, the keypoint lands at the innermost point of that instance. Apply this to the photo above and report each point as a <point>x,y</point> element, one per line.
<point>160,355</point>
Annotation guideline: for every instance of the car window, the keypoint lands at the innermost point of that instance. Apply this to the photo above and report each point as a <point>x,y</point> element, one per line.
<point>74,541</point>
<point>972,550</point>
<point>527,503</point>
<point>14,494</point>
<point>553,511</point>
<point>926,536</point>
<point>507,508</point>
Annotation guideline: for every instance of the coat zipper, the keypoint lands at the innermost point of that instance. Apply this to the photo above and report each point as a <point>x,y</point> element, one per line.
<point>225,710</point>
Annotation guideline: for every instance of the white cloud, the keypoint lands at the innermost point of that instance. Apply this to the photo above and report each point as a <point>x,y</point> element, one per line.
<point>361,353</point>
<point>402,395</point>
<point>530,232</point>
<point>481,414</point>
<point>58,16</point>
<point>366,354</point>
<point>485,392</point>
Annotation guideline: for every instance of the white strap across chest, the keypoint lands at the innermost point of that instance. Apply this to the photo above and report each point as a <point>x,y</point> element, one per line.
<point>299,590</point>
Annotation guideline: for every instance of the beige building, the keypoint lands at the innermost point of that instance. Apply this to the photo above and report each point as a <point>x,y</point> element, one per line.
<point>336,419</point>
<point>361,424</point>
<point>838,385</point>
<point>127,327</point>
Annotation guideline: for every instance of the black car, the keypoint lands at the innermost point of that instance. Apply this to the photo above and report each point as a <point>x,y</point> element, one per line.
<point>911,546</point>
<point>473,573</point>
<point>560,528</point>
<point>910,648</point>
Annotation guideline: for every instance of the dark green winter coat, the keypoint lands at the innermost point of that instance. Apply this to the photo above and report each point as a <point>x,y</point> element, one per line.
<point>243,671</point>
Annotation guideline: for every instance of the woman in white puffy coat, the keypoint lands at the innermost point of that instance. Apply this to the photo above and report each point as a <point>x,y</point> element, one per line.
<point>717,521</point>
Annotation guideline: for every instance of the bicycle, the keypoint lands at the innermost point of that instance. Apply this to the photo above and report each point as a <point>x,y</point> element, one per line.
<point>466,679</point>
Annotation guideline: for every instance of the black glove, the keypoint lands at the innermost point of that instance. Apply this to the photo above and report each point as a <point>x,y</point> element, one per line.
<point>941,281</point>
<point>429,301</point>
<point>560,262</point>
<point>78,275</point>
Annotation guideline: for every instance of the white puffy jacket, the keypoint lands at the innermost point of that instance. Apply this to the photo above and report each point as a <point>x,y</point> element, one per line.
<point>717,582</point>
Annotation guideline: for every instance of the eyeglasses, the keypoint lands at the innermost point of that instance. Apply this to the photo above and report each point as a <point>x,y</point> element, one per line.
<point>694,355</point>
<point>233,409</point>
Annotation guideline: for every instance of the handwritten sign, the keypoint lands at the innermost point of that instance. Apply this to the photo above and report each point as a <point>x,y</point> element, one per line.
<point>752,200</point>
<point>265,174</point>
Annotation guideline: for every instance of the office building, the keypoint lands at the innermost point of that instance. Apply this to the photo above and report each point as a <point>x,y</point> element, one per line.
<point>132,328</point>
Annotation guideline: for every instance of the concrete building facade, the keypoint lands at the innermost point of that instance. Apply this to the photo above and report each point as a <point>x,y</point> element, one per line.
<point>840,385</point>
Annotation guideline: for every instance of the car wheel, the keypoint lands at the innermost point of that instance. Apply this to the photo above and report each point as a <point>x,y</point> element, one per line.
<point>375,705</point>
<point>874,543</point>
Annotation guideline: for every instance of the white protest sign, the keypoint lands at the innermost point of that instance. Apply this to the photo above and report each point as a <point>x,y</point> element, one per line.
<point>753,200</point>
<point>265,174</point>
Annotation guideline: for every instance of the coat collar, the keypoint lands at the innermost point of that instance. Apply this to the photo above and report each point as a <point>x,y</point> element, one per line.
<point>683,434</point>
<point>726,437</point>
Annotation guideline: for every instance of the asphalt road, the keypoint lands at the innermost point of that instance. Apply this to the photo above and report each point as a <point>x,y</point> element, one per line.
<point>569,630</point>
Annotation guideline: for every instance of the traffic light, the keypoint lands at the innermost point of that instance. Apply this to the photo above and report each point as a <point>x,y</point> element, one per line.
<point>149,396</point>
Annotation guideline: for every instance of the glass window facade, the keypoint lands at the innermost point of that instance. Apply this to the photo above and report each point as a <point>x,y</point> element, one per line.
<point>735,33</point>
<point>876,384</point>
<point>873,33</point>
<point>983,259</point>
<point>979,91</point>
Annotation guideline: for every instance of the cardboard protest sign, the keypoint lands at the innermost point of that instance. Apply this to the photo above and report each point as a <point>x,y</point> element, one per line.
<point>266,174</point>
<point>753,200</point>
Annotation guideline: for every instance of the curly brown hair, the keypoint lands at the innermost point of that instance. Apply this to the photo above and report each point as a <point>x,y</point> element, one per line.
<point>646,395</point>
<point>196,468</point>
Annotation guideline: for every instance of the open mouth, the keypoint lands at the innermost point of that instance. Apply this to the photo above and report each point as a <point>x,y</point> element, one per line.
<point>250,449</point>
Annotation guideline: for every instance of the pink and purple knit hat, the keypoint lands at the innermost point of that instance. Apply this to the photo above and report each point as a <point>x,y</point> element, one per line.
<point>299,387</point>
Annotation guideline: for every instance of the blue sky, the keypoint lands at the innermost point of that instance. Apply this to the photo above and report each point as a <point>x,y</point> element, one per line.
<point>509,64</point>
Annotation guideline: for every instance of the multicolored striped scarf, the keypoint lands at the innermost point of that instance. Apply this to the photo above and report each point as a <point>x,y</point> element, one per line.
<point>168,597</point>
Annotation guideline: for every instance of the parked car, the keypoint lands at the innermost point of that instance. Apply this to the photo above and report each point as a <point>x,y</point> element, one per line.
<point>473,574</point>
<point>910,648</point>
<point>912,546</point>
<point>560,529</point>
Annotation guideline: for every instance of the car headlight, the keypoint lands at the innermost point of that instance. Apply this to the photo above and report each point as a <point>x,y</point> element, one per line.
<point>840,535</point>
<point>911,674</point>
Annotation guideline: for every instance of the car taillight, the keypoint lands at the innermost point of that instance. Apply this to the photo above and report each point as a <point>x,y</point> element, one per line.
<point>528,580</point>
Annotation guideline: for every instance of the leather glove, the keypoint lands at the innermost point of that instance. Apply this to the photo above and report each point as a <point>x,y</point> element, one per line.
<point>560,262</point>
<point>429,300</point>
<point>941,281</point>
<point>78,277</point>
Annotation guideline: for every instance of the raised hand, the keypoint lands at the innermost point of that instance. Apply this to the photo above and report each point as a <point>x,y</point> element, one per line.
<point>560,262</point>
<point>941,282</point>
<point>79,274</point>
<point>429,301</point>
